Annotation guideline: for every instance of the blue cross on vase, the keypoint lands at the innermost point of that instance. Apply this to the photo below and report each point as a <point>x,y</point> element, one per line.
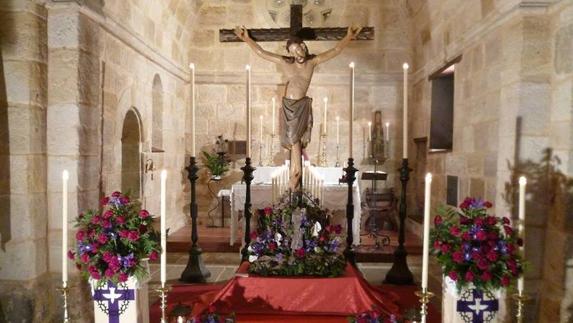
<point>113,295</point>
<point>474,307</point>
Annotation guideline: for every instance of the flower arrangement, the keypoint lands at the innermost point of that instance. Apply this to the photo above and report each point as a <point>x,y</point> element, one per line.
<point>111,244</point>
<point>476,248</point>
<point>373,316</point>
<point>210,316</point>
<point>291,241</point>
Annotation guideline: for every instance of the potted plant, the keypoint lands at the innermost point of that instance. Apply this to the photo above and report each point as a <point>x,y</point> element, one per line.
<point>113,246</point>
<point>216,164</point>
<point>479,257</point>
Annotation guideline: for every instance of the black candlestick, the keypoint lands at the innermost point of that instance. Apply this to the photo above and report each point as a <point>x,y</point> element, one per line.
<point>195,271</point>
<point>247,178</point>
<point>400,274</point>
<point>349,179</point>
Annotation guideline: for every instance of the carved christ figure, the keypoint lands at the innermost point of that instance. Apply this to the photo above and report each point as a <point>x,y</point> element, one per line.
<point>296,110</point>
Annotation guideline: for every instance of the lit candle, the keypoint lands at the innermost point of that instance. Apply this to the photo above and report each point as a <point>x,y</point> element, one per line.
<point>324,119</point>
<point>351,114</point>
<point>163,230</point>
<point>248,69</point>
<point>180,319</point>
<point>426,245</point>
<point>405,135</point>
<point>274,108</point>
<point>192,67</point>
<point>369,131</point>
<point>387,134</point>
<point>337,130</point>
<point>65,177</point>
<point>261,130</point>
<point>521,225</point>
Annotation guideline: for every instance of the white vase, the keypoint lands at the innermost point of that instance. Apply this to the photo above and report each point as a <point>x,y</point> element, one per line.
<point>470,305</point>
<point>125,303</point>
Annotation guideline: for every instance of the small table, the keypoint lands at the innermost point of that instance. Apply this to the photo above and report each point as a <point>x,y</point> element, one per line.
<point>223,194</point>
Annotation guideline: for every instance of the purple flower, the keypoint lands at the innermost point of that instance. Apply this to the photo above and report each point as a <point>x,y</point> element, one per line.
<point>128,261</point>
<point>279,256</point>
<point>477,203</point>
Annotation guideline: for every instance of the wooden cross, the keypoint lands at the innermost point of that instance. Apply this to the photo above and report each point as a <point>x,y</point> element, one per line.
<point>306,33</point>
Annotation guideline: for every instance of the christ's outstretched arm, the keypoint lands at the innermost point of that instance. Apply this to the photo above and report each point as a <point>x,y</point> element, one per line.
<point>243,34</point>
<point>333,52</point>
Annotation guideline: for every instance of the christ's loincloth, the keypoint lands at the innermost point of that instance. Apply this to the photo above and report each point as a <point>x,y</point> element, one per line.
<point>296,121</point>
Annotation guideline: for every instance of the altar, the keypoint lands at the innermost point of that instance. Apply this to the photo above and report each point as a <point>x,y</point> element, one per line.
<point>334,195</point>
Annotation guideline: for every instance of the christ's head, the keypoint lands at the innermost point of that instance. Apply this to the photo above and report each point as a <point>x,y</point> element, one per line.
<point>297,47</point>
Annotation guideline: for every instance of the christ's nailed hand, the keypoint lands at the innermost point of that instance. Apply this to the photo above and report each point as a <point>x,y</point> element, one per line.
<point>241,32</point>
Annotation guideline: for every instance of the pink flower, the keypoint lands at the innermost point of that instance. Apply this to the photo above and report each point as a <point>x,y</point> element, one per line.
<point>106,224</point>
<point>455,230</point>
<point>268,211</point>
<point>120,220</point>
<point>478,221</point>
<point>107,256</point>
<point>445,248</point>
<point>505,281</point>
<point>124,233</point>
<point>483,264</point>
<point>133,235</point>
<point>124,200</point>
<point>299,252</point>
<point>123,277</point>
<point>95,275</point>
<point>486,276</point>
<point>153,256</point>
<point>508,230</point>
<point>481,235</point>
<point>143,214</point>
<point>109,273</point>
<point>466,236</point>
<point>71,254</point>
<point>80,235</point>
<point>469,277</point>
<point>102,238</point>
<point>491,220</point>
<point>505,220</point>
<point>438,220</point>
<point>492,256</point>
<point>107,214</point>
<point>85,258</point>
<point>104,201</point>
<point>437,245</point>
<point>96,219</point>
<point>487,204</point>
<point>453,275</point>
<point>116,194</point>
<point>458,257</point>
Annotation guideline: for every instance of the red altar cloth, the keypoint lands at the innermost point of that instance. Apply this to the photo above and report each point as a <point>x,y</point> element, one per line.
<point>346,295</point>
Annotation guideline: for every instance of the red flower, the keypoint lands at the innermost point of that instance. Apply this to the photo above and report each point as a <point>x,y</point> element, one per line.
<point>455,230</point>
<point>491,220</point>
<point>508,230</point>
<point>106,224</point>
<point>458,257</point>
<point>268,211</point>
<point>71,254</point>
<point>94,273</point>
<point>96,219</point>
<point>483,264</point>
<point>133,235</point>
<point>272,246</point>
<point>102,238</point>
<point>466,236</point>
<point>124,233</point>
<point>143,214</point>
<point>520,242</point>
<point>299,252</point>
<point>253,235</point>
<point>478,221</point>
<point>453,275</point>
<point>107,214</point>
<point>153,255</point>
<point>492,236</point>
<point>492,256</point>
<point>445,248</point>
<point>438,220</point>
<point>469,276</point>
<point>510,248</point>
<point>80,235</point>
<point>120,220</point>
<point>124,200</point>
<point>486,276</point>
<point>142,229</point>
<point>476,256</point>
<point>480,235</point>
<point>505,220</point>
<point>123,277</point>
<point>116,194</point>
<point>109,273</point>
<point>505,281</point>
<point>337,229</point>
<point>465,220</point>
<point>487,204</point>
<point>104,201</point>
<point>437,245</point>
<point>85,258</point>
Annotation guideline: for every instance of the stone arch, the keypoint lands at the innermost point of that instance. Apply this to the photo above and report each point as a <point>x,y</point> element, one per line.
<point>157,115</point>
<point>131,139</point>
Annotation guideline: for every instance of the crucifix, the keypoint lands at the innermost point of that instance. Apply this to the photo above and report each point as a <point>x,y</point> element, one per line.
<point>296,111</point>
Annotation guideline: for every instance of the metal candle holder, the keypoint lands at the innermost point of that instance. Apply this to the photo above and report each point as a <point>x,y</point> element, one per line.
<point>424,295</point>
<point>520,299</point>
<point>322,161</point>
<point>271,150</point>
<point>163,295</point>
<point>65,290</point>
<point>247,178</point>
<point>337,156</point>
<point>350,177</point>
<point>261,154</point>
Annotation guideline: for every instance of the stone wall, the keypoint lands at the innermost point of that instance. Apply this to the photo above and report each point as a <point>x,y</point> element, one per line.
<point>221,79</point>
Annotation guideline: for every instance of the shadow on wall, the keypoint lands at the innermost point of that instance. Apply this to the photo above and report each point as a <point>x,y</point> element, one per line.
<point>549,205</point>
<point>5,225</point>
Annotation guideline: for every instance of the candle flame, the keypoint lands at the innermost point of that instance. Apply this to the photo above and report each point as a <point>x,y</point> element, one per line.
<point>522,180</point>
<point>192,66</point>
<point>387,124</point>
<point>65,175</point>
<point>405,66</point>
<point>273,99</point>
<point>325,99</point>
<point>337,118</point>
<point>351,65</point>
<point>428,177</point>
<point>369,124</point>
<point>163,174</point>
<point>261,117</point>
<point>247,67</point>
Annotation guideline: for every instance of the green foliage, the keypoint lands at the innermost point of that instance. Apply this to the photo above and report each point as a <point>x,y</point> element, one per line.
<point>216,165</point>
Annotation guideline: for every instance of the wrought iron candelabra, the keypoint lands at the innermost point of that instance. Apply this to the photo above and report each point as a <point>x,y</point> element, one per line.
<point>65,290</point>
<point>400,274</point>
<point>247,178</point>
<point>349,179</point>
<point>424,295</point>
<point>195,271</point>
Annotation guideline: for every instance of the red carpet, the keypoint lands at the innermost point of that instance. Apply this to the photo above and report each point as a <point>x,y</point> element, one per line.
<point>285,299</point>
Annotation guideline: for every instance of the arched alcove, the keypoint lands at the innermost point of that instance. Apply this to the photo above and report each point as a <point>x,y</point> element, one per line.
<point>131,154</point>
<point>157,115</point>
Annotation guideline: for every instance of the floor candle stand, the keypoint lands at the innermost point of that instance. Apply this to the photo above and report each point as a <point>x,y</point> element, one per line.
<point>247,178</point>
<point>65,290</point>
<point>350,177</point>
<point>424,295</point>
<point>337,156</point>
<point>163,305</point>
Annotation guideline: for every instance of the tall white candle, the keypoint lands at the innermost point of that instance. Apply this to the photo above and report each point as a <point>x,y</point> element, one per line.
<point>521,225</point>
<point>163,230</point>
<point>387,133</point>
<point>274,108</point>
<point>426,245</point>
<point>337,130</point>
<point>405,135</point>
<point>193,133</point>
<point>351,114</point>
<point>261,130</point>
<point>248,69</point>
<point>324,119</point>
<point>369,131</point>
<point>65,177</point>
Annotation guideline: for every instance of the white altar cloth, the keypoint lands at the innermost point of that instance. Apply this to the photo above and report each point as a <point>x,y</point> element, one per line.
<point>335,196</point>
